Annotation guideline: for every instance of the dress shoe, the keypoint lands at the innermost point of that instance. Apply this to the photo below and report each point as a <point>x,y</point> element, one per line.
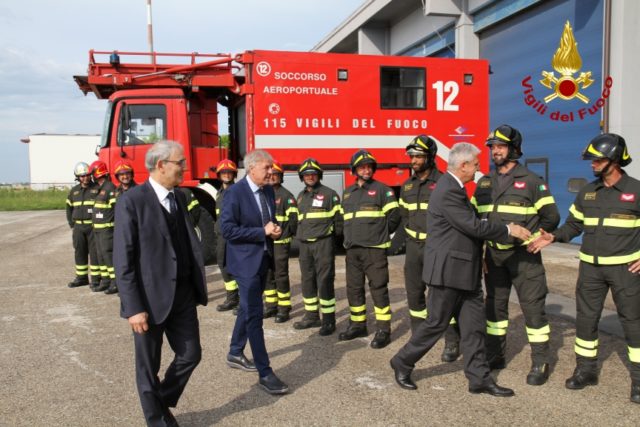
<point>381,339</point>
<point>77,282</point>
<point>497,362</point>
<point>539,374</point>
<point>113,289</point>
<point>272,384</point>
<point>327,328</point>
<point>450,353</point>
<point>228,304</point>
<point>241,362</point>
<point>270,312</point>
<point>307,323</point>
<point>493,389</point>
<point>403,380</point>
<point>282,317</point>
<point>581,379</point>
<point>635,392</point>
<point>353,332</point>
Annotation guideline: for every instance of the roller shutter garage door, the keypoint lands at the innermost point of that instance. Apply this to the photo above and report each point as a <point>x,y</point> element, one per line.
<point>523,46</point>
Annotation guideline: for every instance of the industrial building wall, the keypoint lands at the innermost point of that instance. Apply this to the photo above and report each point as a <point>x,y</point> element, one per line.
<point>53,157</point>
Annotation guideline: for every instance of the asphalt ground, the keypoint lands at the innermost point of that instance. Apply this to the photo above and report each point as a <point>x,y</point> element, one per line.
<point>66,357</point>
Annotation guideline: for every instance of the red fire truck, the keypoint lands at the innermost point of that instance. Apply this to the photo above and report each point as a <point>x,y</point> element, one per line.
<point>293,104</point>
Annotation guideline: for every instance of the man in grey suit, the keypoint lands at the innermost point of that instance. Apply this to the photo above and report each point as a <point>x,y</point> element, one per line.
<point>452,267</point>
<point>160,276</point>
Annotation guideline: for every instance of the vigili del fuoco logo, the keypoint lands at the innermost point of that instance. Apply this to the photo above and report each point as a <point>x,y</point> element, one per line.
<point>565,85</point>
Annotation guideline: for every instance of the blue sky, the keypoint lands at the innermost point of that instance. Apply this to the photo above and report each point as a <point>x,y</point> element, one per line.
<point>44,43</point>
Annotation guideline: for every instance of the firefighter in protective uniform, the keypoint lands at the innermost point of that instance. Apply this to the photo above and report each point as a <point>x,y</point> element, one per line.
<point>227,171</point>
<point>80,203</point>
<point>370,213</point>
<point>124,174</point>
<point>512,193</point>
<point>319,223</point>
<point>277,292</point>
<point>414,202</point>
<point>607,211</point>
<point>103,221</point>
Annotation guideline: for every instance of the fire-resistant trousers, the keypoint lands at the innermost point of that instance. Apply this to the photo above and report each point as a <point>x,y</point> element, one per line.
<point>278,288</point>
<point>85,249</point>
<point>317,267</point>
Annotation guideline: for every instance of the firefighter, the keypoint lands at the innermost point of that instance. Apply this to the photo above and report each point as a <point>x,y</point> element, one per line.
<point>414,201</point>
<point>103,221</point>
<point>124,174</point>
<point>370,213</point>
<point>512,193</point>
<point>227,172</point>
<point>80,203</point>
<point>319,223</point>
<point>277,292</point>
<point>607,210</point>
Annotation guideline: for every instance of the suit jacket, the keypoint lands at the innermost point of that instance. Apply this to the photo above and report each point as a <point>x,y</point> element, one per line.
<point>241,226</point>
<point>144,258</point>
<point>453,250</point>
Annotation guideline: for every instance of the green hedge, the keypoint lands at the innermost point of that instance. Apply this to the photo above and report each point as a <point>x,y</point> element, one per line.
<point>23,199</point>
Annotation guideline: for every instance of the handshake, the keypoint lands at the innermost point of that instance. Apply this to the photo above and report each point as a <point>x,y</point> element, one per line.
<point>536,245</point>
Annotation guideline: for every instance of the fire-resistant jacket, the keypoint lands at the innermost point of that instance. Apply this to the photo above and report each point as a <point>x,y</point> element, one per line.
<point>370,214</point>
<point>610,220</point>
<point>286,214</point>
<point>80,203</point>
<point>318,213</point>
<point>524,200</point>
<point>104,207</point>
<point>120,190</point>
<point>414,202</point>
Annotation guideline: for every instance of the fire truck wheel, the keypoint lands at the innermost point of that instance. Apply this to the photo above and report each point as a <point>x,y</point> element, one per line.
<point>398,242</point>
<point>207,236</point>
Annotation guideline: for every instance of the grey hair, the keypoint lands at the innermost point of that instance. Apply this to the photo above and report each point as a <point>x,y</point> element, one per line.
<point>255,157</point>
<point>460,153</point>
<point>161,150</point>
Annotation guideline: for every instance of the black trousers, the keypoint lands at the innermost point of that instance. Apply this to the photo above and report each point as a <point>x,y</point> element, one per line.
<point>183,333</point>
<point>372,263</point>
<point>318,269</point>
<point>84,248</point>
<point>442,304</point>
<point>230,284</point>
<point>278,287</point>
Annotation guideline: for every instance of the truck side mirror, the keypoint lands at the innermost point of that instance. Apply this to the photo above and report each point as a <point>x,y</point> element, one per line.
<point>574,185</point>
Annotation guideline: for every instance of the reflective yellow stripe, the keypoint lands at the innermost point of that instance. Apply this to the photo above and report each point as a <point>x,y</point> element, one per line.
<point>82,267</point>
<point>634,354</point>
<point>331,309</point>
<point>101,205</point>
<point>416,235</point>
<point>391,205</point>
<point>622,223</point>
<point>193,204</point>
<point>284,303</point>
<point>270,292</point>
<point>283,241</point>
<point>84,203</point>
<point>363,214</point>
<point>282,218</point>
<point>408,206</point>
<point>538,335</point>
<point>497,328</point>
<point>105,225</point>
<point>610,260</point>
<point>422,314</point>
<point>383,313</point>
<point>484,208</point>
<point>590,221</point>
<point>517,210</point>
<point>292,210</point>
<point>313,300</point>
<point>231,286</point>
<point>473,201</point>
<point>584,352</point>
<point>544,201</point>
<point>69,202</point>
<point>217,211</point>
<point>83,221</point>
<point>328,305</point>
<point>360,318</point>
<point>453,321</point>
<point>382,246</point>
<point>586,344</point>
<point>311,307</point>
<point>284,295</point>
<point>358,308</point>
<point>317,215</point>
<point>576,213</point>
<point>271,299</point>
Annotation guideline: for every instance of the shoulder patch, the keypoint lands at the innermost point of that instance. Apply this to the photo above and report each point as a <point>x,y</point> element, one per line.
<point>371,192</point>
<point>520,185</point>
<point>432,186</point>
<point>627,197</point>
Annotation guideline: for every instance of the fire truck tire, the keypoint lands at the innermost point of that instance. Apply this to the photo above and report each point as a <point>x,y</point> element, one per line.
<point>398,242</point>
<point>207,236</point>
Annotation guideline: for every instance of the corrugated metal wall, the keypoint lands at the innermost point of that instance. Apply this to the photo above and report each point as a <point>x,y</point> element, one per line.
<point>523,45</point>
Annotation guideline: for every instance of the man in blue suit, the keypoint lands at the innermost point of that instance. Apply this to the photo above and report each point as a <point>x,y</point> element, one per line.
<point>248,225</point>
<point>160,275</point>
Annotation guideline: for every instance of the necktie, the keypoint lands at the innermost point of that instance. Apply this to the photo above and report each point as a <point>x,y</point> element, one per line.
<point>264,208</point>
<point>173,207</point>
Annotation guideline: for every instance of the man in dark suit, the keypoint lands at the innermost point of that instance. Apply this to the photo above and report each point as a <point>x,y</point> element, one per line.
<point>160,276</point>
<point>248,225</point>
<point>452,266</point>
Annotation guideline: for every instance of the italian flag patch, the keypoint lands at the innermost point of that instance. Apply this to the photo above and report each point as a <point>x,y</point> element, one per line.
<point>389,193</point>
<point>543,187</point>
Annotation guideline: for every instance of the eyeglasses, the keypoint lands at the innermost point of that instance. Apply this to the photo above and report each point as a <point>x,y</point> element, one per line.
<point>182,162</point>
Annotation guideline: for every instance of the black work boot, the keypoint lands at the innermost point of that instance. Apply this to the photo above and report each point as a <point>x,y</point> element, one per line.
<point>78,281</point>
<point>635,392</point>
<point>381,339</point>
<point>328,324</point>
<point>230,302</point>
<point>270,310</point>
<point>104,285</point>
<point>311,319</point>
<point>539,374</point>
<point>282,315</point>
<point>354,330</point>
<point>113,289</point>
<point>451,352</point>
<point>581,378</point>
